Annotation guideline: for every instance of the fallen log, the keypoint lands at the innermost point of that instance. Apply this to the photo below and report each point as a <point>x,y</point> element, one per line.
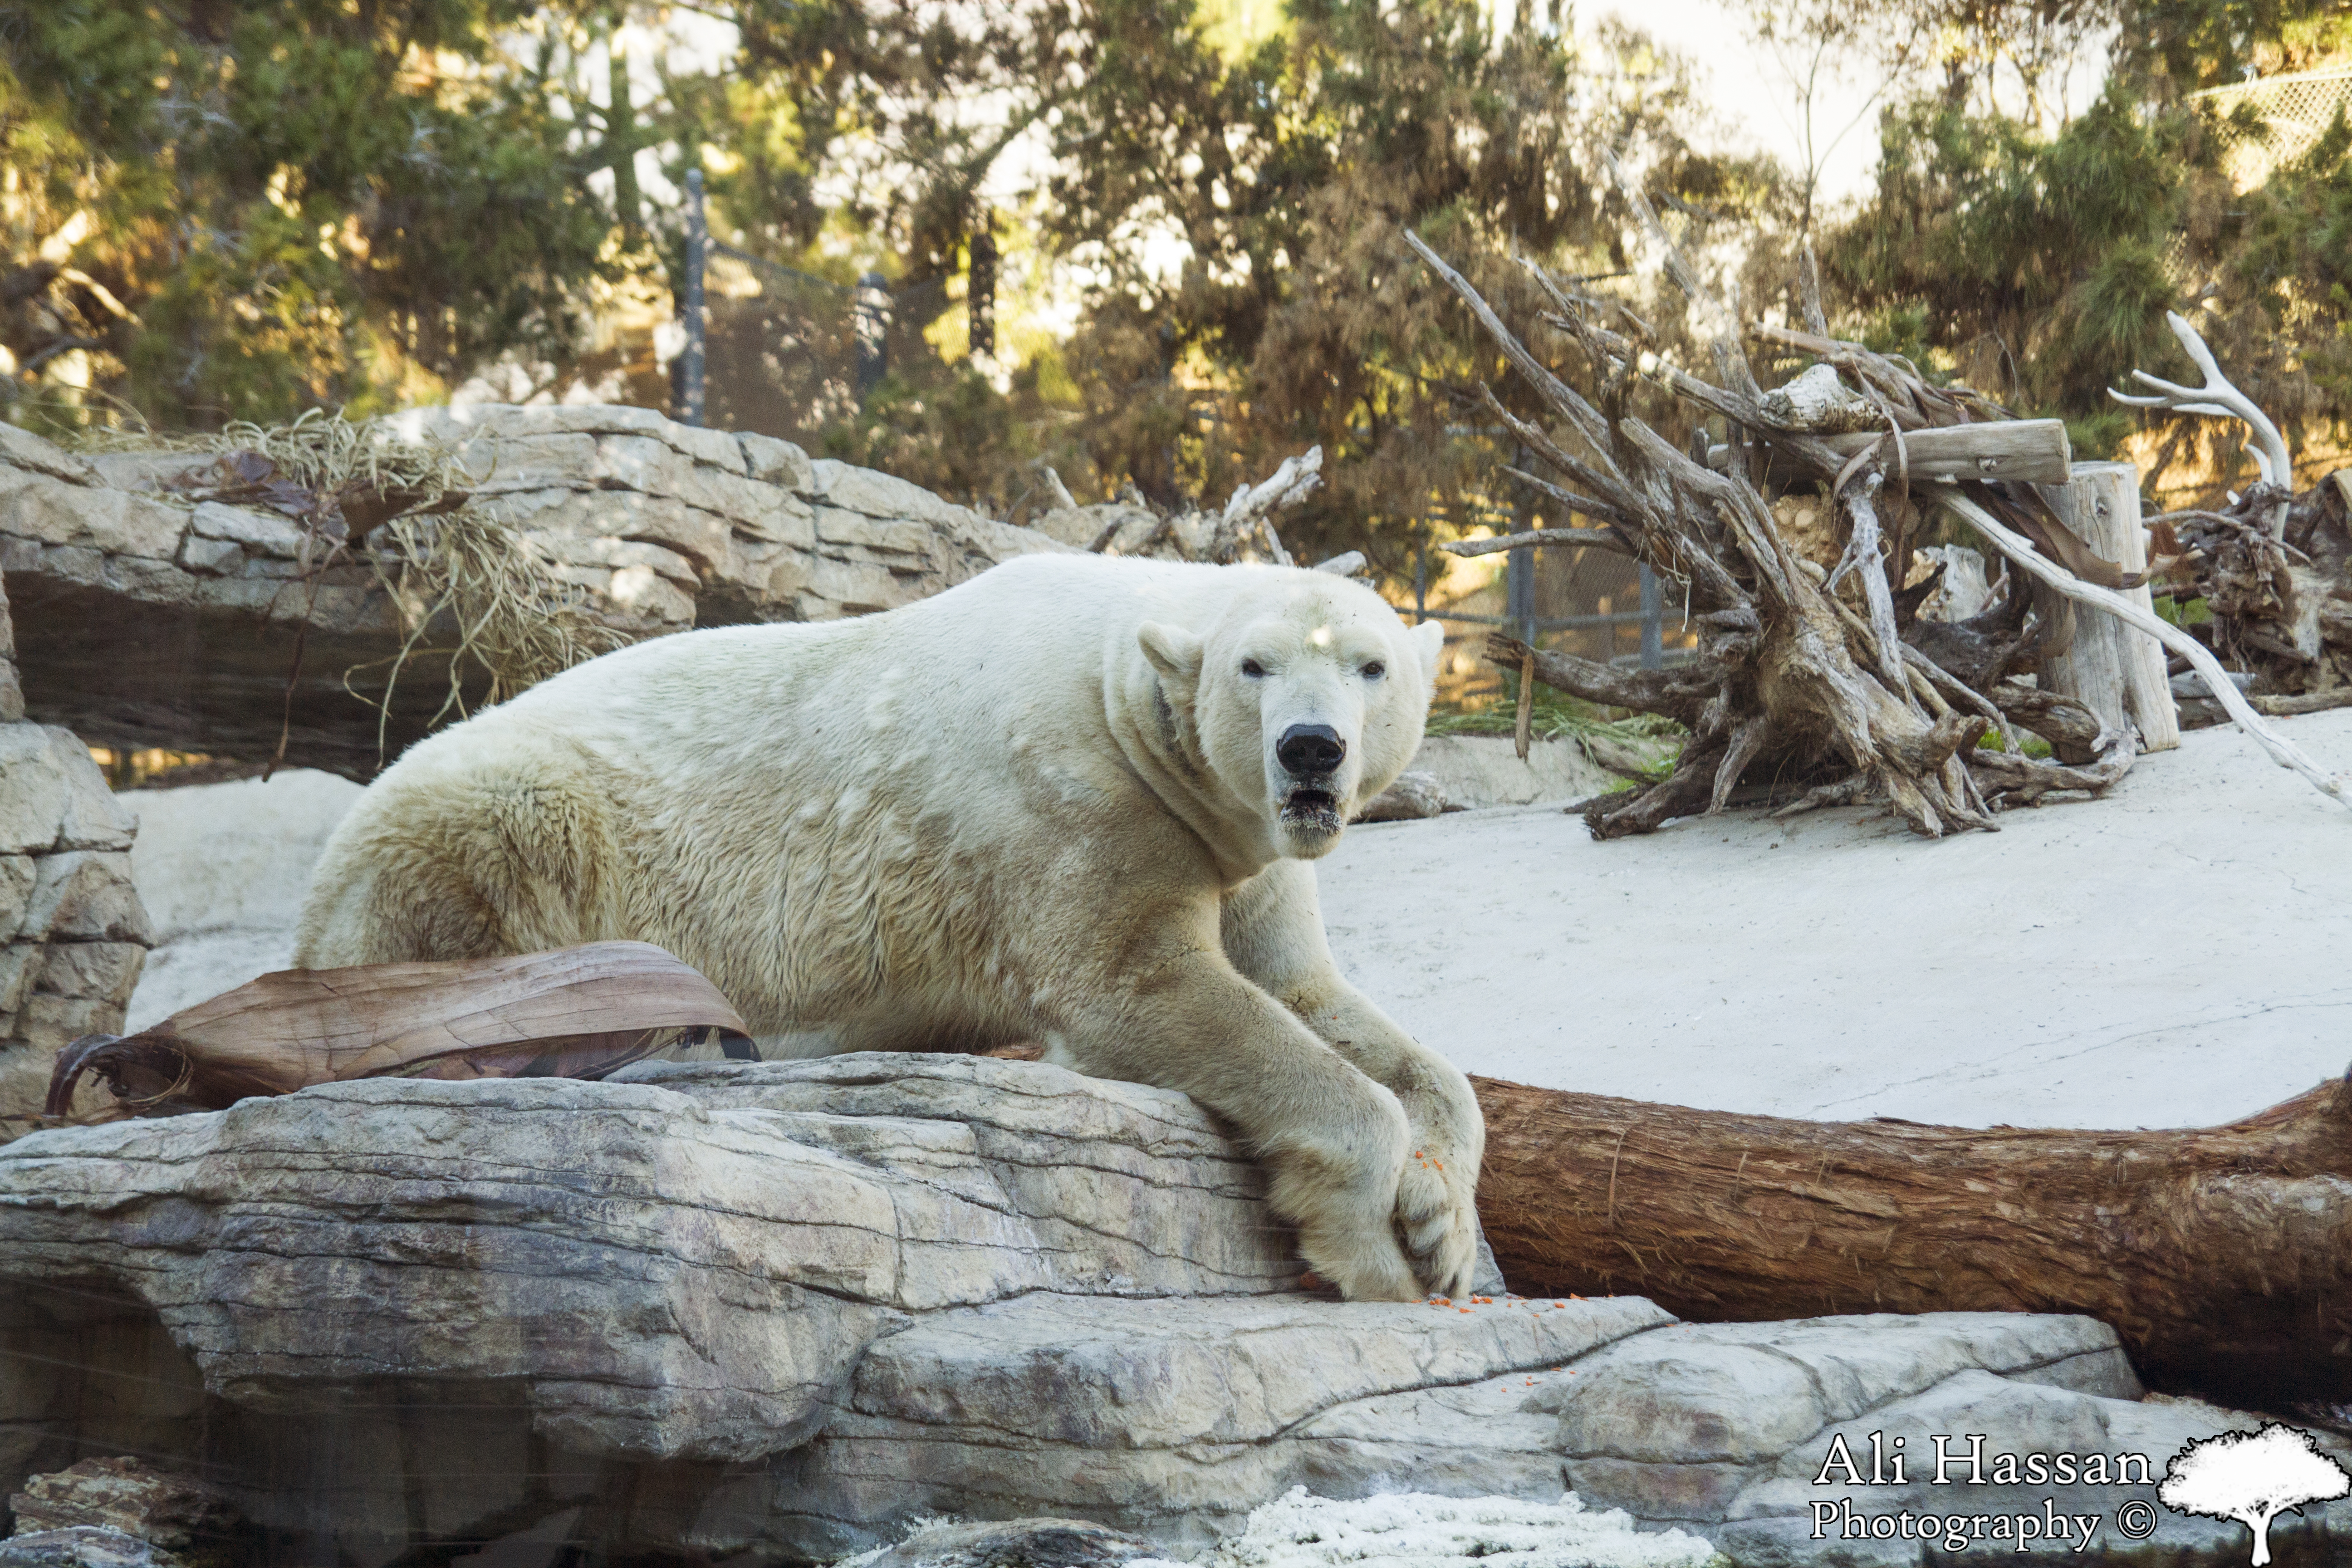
<point>2222,1256</point>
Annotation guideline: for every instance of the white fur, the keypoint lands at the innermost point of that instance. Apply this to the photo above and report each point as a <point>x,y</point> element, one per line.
<point>1044,805</point>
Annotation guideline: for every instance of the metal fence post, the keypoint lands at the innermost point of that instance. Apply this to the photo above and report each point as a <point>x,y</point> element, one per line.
<point>698,256</point>
<point>872,330</point>
<point>980,287</point>
<point>1652,621</point>
<point>1520,577</point>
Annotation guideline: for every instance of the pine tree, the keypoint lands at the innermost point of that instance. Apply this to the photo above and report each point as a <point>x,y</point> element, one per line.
<point>2034,255</point>
<point>215,211</point>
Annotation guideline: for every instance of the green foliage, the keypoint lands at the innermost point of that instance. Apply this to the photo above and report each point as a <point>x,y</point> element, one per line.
<point>2182,46</point>
<point>2036,260</point>
<point>2035,264</point>
<point>2195,612</point>
<point>219,212</point>
<point>1555,716</point>
<point>260,209</point>
<point>1236,196</point>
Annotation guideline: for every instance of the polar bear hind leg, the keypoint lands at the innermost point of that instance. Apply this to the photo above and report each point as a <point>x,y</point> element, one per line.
<point>512,857</point>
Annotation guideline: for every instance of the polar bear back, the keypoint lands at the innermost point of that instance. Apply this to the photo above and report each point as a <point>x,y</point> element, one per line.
<point>857,827</point>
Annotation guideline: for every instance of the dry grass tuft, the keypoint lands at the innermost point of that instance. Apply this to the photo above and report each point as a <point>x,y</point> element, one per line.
<point>513,617</point>
<point>492,599</point>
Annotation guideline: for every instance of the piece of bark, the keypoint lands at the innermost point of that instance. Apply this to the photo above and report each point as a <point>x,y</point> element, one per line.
<point>578,1011</point>
<point>2223,1256</point>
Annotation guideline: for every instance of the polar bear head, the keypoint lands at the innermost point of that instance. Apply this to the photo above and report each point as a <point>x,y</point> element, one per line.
<point>1306,695</point>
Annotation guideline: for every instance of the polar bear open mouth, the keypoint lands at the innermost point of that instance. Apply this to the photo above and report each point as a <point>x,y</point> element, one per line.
<point>1312,809</point>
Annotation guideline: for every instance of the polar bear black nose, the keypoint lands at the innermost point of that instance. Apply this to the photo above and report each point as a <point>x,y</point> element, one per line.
<point>1311,748</point>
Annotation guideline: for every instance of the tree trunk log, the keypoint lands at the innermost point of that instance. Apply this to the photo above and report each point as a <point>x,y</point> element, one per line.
<point>2219,1255</point>
<point>2117,669</point>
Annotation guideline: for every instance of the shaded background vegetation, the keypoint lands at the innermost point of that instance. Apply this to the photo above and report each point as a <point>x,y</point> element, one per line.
<point>212,211</point>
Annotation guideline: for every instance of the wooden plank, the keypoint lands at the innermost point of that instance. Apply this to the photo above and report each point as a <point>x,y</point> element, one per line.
<point>2032,451</point>
<point>2027,451</point>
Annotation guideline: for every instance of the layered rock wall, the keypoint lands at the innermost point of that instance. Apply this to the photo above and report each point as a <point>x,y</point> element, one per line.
<point>75,933</point>
<point>772,1313</point>
<point>212,628</point>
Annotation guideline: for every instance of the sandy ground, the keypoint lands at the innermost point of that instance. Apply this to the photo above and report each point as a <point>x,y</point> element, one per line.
<point>2173,955</point>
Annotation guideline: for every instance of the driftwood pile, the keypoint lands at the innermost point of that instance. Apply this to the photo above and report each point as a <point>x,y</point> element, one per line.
<point>2274,567</point>
<point>1792,538</point>
<point>1241,530</point>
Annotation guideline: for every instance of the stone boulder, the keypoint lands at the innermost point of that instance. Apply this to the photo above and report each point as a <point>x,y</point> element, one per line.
<point>1012,1543</point>
<point>1481,770</point>
<point>785,1309</point>
<point>73,934</point>
<point>84,1546</point>
<point>129,1497</point>
<point>151,622</point>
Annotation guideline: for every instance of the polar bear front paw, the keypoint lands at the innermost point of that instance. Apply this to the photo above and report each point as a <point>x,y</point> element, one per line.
<point>1437,1218</point>
<point>1342,1196</point>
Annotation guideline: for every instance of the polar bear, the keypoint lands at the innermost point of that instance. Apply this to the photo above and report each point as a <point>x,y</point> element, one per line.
<point>1072,800</point>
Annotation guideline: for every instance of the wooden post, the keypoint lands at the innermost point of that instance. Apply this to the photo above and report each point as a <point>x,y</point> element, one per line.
<point>690,370</point>
<point>2115,668</point>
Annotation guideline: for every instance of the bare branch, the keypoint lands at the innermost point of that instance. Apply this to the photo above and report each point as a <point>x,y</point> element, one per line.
<point>1730,359</point>
<point>2219,399</point>
<point>2281,750</point>
<point>1556,392</point>
<point>1591,538</point>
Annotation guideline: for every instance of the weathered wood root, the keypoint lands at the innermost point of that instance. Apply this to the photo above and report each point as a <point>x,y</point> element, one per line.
<point>1787,683</point>
<point>2223,1256</point>
<point>2281,750</point>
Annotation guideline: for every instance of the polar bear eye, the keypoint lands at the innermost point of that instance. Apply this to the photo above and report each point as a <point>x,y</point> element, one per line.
<point>1252,668</point>
<point>1374,670</point>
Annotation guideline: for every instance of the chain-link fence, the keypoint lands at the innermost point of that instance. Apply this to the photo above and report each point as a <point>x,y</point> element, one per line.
<point>2296,110</point>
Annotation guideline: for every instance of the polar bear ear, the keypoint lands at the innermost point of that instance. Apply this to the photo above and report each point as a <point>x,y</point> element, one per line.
<point>1428,637</point>
<point>1174,652</point>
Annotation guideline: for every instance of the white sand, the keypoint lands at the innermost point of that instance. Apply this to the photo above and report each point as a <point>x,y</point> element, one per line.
<point>2173,955</point>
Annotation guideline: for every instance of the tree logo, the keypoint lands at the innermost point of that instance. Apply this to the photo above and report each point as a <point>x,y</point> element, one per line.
<point>2253,1478</point>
